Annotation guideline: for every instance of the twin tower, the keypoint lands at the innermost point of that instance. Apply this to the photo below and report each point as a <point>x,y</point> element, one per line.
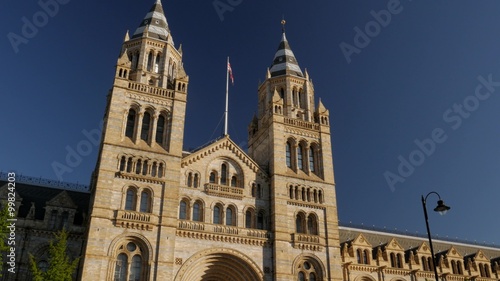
<point>217,213</point>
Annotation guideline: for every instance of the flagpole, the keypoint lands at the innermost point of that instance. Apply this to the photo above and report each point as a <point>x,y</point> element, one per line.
<point>227,95</point>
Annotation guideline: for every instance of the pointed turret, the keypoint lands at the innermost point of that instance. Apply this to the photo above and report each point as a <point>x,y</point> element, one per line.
<point>284,60</point>
<point>155,23</point>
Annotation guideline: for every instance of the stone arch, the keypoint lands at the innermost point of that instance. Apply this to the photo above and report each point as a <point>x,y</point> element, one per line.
<point>219,264</point>
<point>314,260</point>
<point>120,245</point>
<point>139,238</point>
<point>364,277</point>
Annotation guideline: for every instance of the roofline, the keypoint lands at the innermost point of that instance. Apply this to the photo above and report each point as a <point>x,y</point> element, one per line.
<point>422,238</point>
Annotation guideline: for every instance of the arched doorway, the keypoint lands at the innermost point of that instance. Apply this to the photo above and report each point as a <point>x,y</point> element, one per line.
<point>219,265</point>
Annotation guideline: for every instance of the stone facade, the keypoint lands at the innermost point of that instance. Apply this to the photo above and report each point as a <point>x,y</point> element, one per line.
<point>158,213</point>
<point>41,212</point>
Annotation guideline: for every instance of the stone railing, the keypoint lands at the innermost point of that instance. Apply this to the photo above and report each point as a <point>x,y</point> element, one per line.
<point>135,220</point>
<point>223,229</point>
<point>301,123</point>
<point>224,191</point>
<point>191,225</point>
<point>257,233</point>
<point>307,242</point>
<point>305,238</point>
<point>452,277</point>
<point>150,90</point>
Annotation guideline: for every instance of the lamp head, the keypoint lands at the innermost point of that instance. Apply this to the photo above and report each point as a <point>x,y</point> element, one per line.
<point>441,207</point>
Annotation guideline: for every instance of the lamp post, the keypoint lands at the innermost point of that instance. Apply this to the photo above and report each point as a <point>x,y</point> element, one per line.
<point>441,209</point>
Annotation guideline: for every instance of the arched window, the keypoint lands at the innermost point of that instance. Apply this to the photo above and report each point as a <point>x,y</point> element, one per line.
<point>129,165</point>
<point>43,265</point>
<point>138,166</point>
<point>312,225</point>
<point>299,223</point>
<point>300,157</point>
<point>454,267</point>
<point>259,191</point>
<point>254,190</point>
<point>359,255</point>
<point>129,130</point>
<point>260,220</point>
<point>131,199</point>
<point>233,181</point>
<point>301,99</point>
<point>217,213</point>
<point>309,270</point>
<point>145,202</point>
<point>229,216</point>
<point>430,263</point>
<point>160,129</point>
<point>459,267</point>
<point>154,169</point>
<point>197,212</point>
<point>424,264</point>
<point>223,174</point>
<point>487,270</point>
<point>150,61</point>
<point>399,261</point>
<point>64,220</point>
<point>366,259</point>
<point>146,120</point>
<point>288,155</point>
<point>134,61</point>
<point>130,263</point>
<point>481,270</point>
<point>183,210</point>
<point>145,167</point>
<point>393,260</point>
<point>121,268</point>
<point>212,178</point>
<point>248,219</point>
<point>282,93</point>
<point>157,63</point>
<point>294,96</point>
<point>190,180</point>
<point>135,268</point>
<point>196,180</point>
<point>311,159</point>
<point>123,163</point>
<point>160,170</point>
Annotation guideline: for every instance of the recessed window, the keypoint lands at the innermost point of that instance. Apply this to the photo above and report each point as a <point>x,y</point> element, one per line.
<point>129,130</point>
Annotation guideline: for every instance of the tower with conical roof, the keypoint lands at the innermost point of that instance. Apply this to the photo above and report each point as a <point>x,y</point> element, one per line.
<point>134,188</point>
<point>290,138</point>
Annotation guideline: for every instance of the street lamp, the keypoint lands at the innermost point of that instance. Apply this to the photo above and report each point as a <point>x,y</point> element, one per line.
<point>441,209</point>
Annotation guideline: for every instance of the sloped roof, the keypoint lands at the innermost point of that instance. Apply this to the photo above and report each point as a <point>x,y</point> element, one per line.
<point>41,195</point>
<point>407,242</point>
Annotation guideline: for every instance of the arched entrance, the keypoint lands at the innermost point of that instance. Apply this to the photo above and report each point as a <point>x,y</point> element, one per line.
<point>219,265</point>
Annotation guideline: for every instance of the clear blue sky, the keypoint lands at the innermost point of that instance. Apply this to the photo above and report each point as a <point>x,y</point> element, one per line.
<point>415,79</point>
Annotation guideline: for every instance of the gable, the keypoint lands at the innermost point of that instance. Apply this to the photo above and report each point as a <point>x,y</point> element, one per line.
<point>424,249</point>
<point>453,253</point>
<point>62,200</point>
<point>393,245</point>
<point>223,148</point>
<point>360,240</point>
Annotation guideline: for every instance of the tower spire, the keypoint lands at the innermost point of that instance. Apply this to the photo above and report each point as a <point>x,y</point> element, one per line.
<point>155,23</point>
<point>284,60</point>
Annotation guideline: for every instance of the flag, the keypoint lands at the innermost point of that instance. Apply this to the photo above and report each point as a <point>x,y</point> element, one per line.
<point>230,72</point>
